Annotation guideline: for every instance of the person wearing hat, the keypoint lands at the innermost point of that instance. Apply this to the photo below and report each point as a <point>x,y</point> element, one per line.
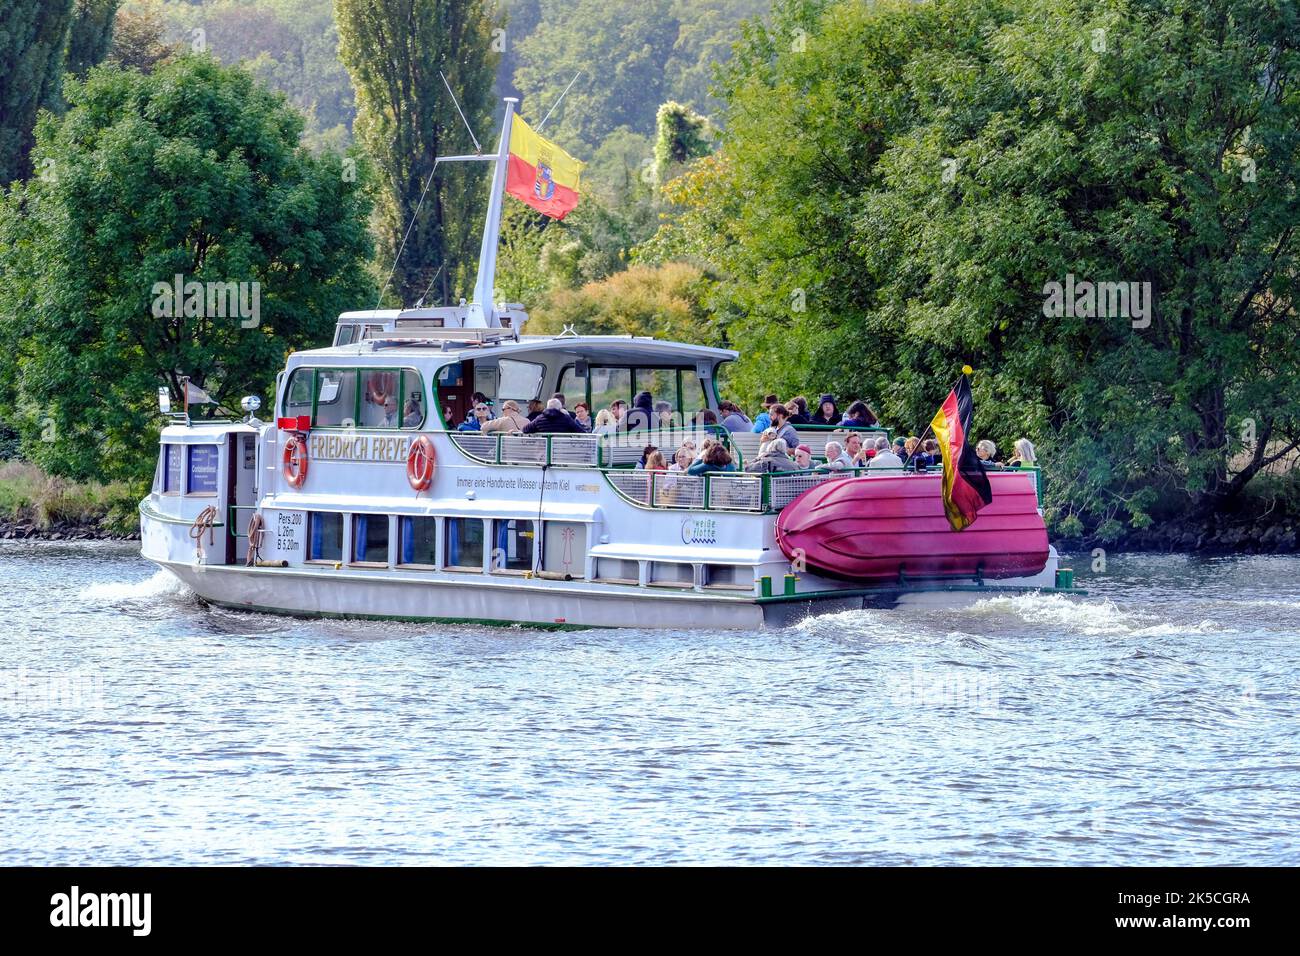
<point>763,420</point>
<point>803,457</point>
<point>827,412</point>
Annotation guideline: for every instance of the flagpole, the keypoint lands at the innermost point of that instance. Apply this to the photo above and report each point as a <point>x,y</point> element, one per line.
<point>482,308</point>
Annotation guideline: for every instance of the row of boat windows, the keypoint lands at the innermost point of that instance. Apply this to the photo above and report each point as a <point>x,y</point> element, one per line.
<point>187,470</point>
<point>361,398</point>
<point>492,546</point>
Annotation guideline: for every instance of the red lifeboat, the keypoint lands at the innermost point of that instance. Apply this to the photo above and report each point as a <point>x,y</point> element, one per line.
<point>881,529</point>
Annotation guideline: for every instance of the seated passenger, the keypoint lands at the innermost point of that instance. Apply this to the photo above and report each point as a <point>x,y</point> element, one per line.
<point>582,415</point>
<point>716,459</point>
<point>853,450</point>
<point>535,408</point>
<point>511,420</point>
<point>774,456</point>
<point>733,419</point>
<point>803,457</point>
<point>412,415</point>
<point>984,451</point>
<point>476,423</point>
<point>884,460</point>
<point>764,418</point>
<point>663,416</point>
<point>654,460</point>
<point>784,430</point>
<point>706,418</point>
<point>836,457</point>
<point>555,420</point>
<point>682,458</point>
<point>798,407</point>
<point>641,415</point>
<point>478,398</point>
<point>827,413</point>
<point>859,415</point>
<point>1025,456</point>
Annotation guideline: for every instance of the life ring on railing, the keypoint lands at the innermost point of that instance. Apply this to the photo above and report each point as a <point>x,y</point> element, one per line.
<point>421,461</point>
<point>295,461</point>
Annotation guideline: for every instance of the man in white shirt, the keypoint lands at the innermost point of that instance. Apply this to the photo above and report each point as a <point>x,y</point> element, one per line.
<point>885,459</point>
<point>836,458</point>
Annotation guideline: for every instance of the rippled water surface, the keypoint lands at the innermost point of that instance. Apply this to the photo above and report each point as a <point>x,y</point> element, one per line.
<point>1153,723</point>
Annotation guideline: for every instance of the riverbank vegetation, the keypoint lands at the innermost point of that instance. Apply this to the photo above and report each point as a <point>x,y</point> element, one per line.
<point>1092,202</point>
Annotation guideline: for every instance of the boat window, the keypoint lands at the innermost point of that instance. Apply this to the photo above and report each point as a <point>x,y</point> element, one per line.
<point>297,397</point>
<point>202,473</point>
<point>661,383</point>
<point>693,398</point>
<point>412,392</point>
<point>615,569</point>
<point>418,542</point>
<point>485,379</point>
<point>564,548</point>
<point>512,545</point>
<point>574,386</point>
<point>370,539</point>
<point>173,468</point>
<point>336,390</point>
<point>324,536</point>
<point>728,576</point>
<point>347,334</point>
<point>609,384</point>
<point>379,398</point>
<point>672,574</point>
<point>521,381</point>
<point>465,544</point>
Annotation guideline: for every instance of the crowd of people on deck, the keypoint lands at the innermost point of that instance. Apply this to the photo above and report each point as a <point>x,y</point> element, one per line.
<point>780,447</point>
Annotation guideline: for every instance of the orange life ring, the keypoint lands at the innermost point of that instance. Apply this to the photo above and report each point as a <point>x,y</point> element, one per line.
<point>420,463</point>
<point>295,461</point>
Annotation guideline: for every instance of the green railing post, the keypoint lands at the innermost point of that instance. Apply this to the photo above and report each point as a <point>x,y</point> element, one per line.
<point>499,437</point>
<point>707,477</point>
<point>548,451</point>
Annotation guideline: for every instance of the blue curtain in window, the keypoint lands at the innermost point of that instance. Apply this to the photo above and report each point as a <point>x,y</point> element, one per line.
<point>359,538</point>
<point>503,539</point>
<point>453,541</point>
<point>408,540</point>
<point>317,538</point>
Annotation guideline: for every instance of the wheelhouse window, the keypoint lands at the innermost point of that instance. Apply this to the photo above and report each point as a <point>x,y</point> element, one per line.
<point>173,469</point>
<point>418,542</point>
<point>336,390</point>
<point>298,393</point>
<point>201,474</point>
<point>348,397</point>
<point>324,536</point>
<point>514,542</point>
<point>370,539</point>
<point>465,544</point>
<point>521,381</point>
<point>346,335</point>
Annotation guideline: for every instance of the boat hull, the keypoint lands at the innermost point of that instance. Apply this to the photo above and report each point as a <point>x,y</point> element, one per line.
<point>893,528</point>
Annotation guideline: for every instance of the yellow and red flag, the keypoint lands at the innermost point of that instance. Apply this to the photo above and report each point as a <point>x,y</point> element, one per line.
<point>965,486</point>
<point>540,173</point>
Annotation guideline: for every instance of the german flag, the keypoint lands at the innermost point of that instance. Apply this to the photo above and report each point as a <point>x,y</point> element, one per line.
<point>540,173</point>
<point>965,486</point>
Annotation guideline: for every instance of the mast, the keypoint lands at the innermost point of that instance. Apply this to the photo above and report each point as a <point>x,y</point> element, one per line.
<point>482,310</point>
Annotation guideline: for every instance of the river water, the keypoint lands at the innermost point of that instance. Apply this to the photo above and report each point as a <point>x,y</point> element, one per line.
<point>1153,723</point>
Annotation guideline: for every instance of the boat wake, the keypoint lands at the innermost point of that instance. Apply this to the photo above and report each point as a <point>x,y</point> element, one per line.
<point>161,587</point>
<point>1090,617</point>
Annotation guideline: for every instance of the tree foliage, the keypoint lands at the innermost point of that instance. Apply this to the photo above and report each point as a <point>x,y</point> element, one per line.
<point>192,170</point>
<point>90,34</point>
<point>901,182</point>
<point>394,50</point>
<point>33,35</point>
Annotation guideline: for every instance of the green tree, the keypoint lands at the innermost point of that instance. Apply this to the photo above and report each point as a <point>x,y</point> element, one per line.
<point>394,50</point>
<point>138,38</point>
<point>681,135</point>
<point>33,34</point>
<point>192,170</point>
<point>90,35</point>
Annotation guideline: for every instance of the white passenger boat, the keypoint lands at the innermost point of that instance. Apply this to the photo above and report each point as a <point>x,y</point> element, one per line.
<point>362,499</point>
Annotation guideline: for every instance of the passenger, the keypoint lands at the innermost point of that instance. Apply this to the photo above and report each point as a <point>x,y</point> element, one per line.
<point>733,419</point>
<point>765,439</point>
<point>618,408</point>
<point>1025,456</point>
<point>884,460</point>
<point>774,456</point>
<point>582,415</point>
<point>827,413</point>
<point>900,447</point>
<point>642,414</point>
<point>663,416</point>
<point>853,450</point>
<point>476,423</point>
<point>653,459</point>
<point>706,418</point>
<point>511,420</point>
<point>799,411</point>
<point>837,459</point>
<point>605,423</point>
<point>859,415</point>
<point>784,430</point>
<point>803,457</point>
<point>412,416</point>
<point>682,458</point>
<point>716,459</point>
<point>984,451</point>
<point>478,398</point>
<point>535,408</point>
<point>564,402</point>
<point>555,420</point>
<point>764,418</point>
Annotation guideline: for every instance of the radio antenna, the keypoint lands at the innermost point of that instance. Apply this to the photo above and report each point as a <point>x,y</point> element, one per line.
<point>559,101</point>
<point>477,147</point>
<point>414,216</point>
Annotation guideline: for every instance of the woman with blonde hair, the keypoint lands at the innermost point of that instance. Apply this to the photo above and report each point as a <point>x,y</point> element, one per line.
<point>1025,455</point>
